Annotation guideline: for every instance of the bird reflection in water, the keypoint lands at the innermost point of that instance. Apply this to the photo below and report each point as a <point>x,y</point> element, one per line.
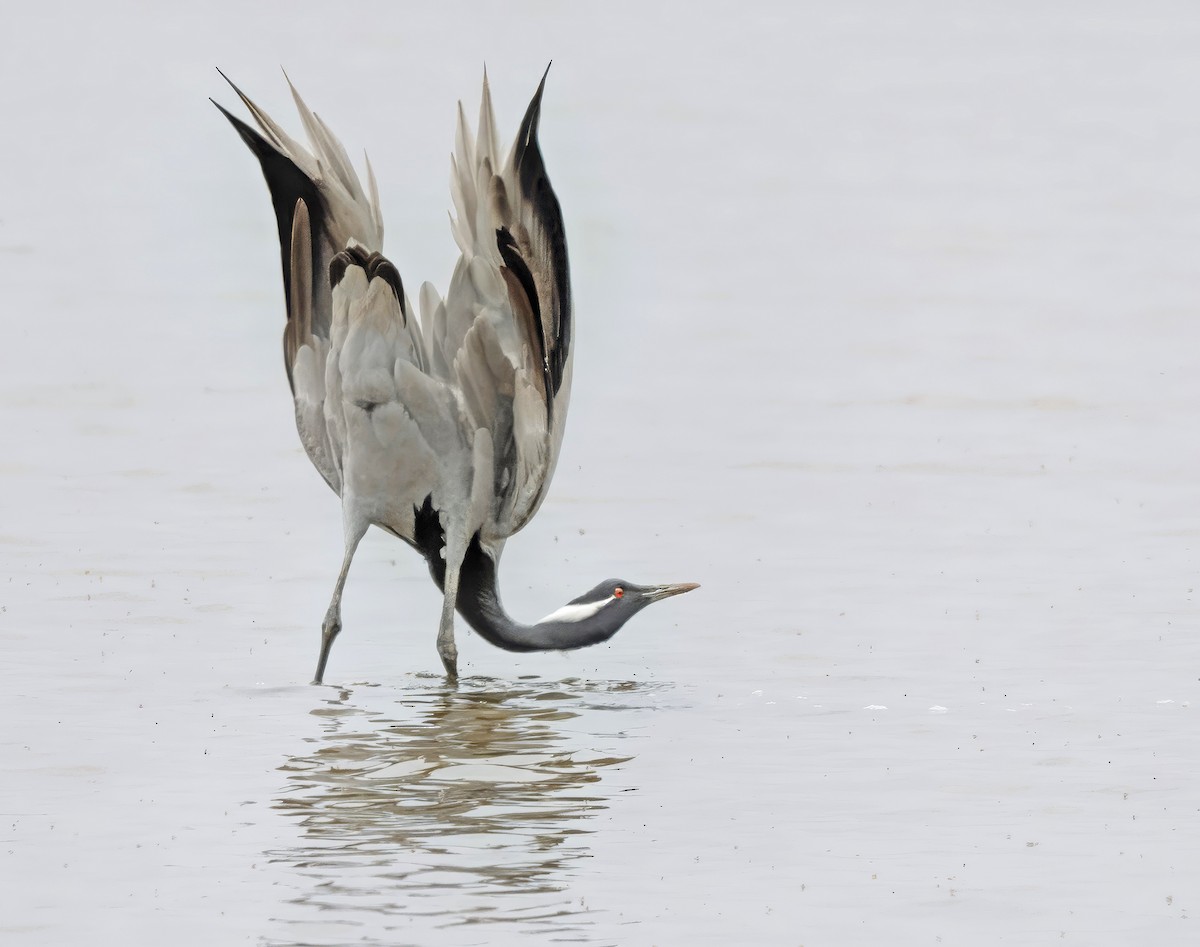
<point>462,805</point>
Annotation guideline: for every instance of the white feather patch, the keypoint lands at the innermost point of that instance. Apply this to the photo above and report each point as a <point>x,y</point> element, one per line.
<point>576,612</point>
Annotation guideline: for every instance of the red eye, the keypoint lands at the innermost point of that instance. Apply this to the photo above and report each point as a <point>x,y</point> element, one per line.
<point>618,592</point>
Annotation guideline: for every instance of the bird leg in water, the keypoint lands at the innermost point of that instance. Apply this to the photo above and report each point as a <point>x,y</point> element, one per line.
<point>457,535</point>
<point>333,617</point>
<point>445,640</point>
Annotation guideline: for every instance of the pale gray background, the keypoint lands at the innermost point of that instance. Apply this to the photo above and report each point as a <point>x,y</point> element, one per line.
<point>887,335</point>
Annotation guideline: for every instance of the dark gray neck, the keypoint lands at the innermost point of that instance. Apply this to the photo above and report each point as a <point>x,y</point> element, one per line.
<point>479,603</point>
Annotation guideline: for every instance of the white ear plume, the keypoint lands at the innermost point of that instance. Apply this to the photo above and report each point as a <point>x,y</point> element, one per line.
<point>576,612</point>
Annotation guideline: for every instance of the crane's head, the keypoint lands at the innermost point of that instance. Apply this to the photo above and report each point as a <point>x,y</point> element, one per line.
<point>629,598</point>
<point>597,615</point>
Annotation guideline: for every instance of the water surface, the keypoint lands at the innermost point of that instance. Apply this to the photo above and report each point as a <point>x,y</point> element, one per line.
<point>887,336</point>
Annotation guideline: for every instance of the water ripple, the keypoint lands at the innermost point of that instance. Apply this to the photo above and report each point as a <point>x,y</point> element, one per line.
<point>452,805</point>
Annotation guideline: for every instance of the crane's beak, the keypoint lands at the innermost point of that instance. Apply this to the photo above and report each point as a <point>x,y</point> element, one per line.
<point>656,592</point>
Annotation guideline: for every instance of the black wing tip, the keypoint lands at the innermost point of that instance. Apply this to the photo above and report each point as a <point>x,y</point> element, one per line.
<point>262,148</point>
<point>224,111</point>
<point>233,85</point>
<point>238,123</point>
<point>251,137</point>
<point>527,136</point>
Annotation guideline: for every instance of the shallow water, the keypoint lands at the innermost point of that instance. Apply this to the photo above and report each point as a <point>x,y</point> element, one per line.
<point>887,336</point>
<point>484,788</point>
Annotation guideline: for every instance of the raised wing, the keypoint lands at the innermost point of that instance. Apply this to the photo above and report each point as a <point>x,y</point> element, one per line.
<point>339,211</point>
<point>320,208</point>
<point>504,332</point>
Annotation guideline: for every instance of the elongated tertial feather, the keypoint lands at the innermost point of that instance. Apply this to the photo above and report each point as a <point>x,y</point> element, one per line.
<point>300,324</point>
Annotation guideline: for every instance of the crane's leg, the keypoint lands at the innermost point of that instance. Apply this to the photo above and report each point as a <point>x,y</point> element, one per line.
<point>458,533</point>
<point>333,617</point>
<point>445,640</point>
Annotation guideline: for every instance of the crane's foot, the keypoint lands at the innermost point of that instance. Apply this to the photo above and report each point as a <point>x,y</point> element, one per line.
<point>450,661</point>
<point>448,652</point>
<point>329,631</point>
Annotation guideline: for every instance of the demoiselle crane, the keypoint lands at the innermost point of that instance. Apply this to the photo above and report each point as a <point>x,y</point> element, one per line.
<point>442,430</point>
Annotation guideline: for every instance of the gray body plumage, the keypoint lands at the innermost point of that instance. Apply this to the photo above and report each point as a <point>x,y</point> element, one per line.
<point>443,429</point>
